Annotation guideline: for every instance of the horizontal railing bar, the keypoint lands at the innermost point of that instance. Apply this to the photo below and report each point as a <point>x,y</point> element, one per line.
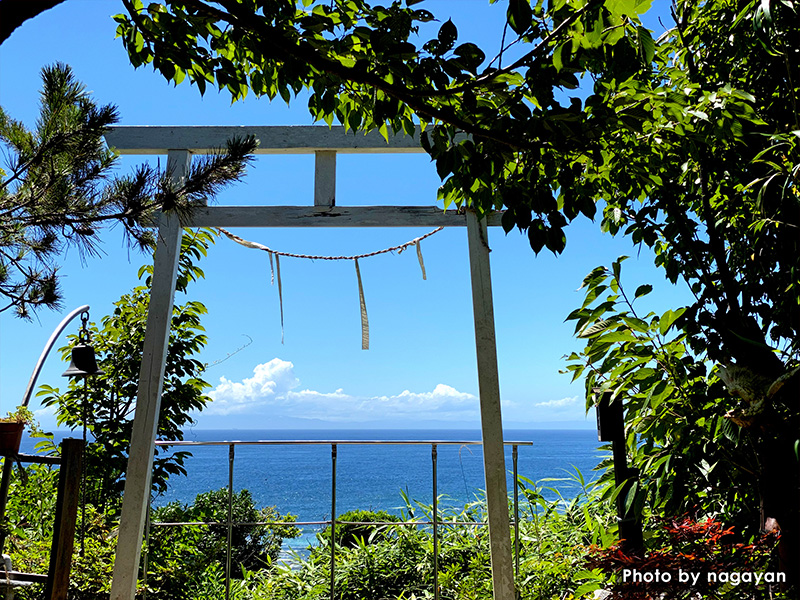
<point>250,524</point>
<point>38,458</point>
<point>187,523</point>
<point>328,442</point>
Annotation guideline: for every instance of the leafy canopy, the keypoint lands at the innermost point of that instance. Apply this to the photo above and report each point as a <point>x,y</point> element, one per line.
<point>711,388</point>
<point>530,138</point>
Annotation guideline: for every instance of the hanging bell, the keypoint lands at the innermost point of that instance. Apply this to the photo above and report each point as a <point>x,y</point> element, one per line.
<point>83,362</point>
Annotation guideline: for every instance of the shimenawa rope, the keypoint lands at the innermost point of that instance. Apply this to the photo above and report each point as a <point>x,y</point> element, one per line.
<point>276,269</point>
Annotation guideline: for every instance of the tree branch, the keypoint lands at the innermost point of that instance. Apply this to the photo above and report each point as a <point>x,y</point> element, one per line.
<point>288,50</point>
<point>16,12</point>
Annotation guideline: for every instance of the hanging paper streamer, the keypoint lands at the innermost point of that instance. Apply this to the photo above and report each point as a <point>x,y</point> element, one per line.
<point>362,302</point>
<point>280,290</point>
<point>276,268</point>
<point>271,270</point>
<point>421,262</point>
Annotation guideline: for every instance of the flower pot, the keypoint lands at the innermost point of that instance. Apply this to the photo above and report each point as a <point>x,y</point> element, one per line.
<point>10,437</point>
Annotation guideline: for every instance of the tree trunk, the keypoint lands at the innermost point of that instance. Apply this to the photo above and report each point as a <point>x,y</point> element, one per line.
<point>780,481</point>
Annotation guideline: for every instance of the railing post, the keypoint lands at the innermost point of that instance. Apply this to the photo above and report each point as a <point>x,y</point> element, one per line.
<point>514,460</point>
<point>333,520</point>
<point>66,516</point>
<point>5,483</point>
<point>435,523</point>
<point>231,454</point>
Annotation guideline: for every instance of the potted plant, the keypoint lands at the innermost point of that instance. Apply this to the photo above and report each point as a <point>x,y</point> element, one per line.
<point>11,427</point>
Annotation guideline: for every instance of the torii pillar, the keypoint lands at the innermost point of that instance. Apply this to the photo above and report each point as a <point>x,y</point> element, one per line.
<point>324,143</point>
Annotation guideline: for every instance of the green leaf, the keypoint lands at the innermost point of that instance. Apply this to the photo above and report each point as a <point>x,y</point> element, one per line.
<point>622,335</point>
<point>559,56</point>
<point>631,496</point>
<point>596,328</point>
<point>507,221</point>
<point>519,15</point>
<point>447,36</point>
<point>643,290</point>
<point>384,131</point>
<point>283,90</point>
<point>470,55</point>
<point>537,236</point>
<point>616,267</point>
<point>646,45</point>
<point>556,240</point>
<point>587,588</point>
<point>668,318</point>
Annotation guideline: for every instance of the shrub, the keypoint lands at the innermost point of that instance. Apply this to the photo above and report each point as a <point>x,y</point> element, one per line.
<point>29,524</point>
<point>691,547</point>
<point>349,532</point>
<point>397,561</point>
<point>180,555</point>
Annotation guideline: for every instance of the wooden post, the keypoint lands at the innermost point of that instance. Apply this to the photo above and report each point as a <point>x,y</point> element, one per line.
<point>148,400</point>
<point>491,422</point>
<point>324,178</point>
<point>69,479</point>
<point>5,483</point>
<point>611,428</point>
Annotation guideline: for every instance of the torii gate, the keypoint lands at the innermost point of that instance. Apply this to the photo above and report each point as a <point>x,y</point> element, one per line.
<point>179,143</point>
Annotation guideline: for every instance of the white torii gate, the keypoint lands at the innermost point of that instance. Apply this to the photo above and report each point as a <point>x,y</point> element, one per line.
<point>179,143</point>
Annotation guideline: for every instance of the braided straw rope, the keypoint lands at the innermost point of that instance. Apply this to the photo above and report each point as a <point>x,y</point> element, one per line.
<point>276,267</point>
<point>257,246</point>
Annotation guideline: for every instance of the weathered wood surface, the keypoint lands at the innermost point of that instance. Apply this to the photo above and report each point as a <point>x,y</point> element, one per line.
<point>305,139</point>
<point>148,400</point>
<point>322,216</point>
<point>324,178</point>
<point>491,419</point>
<point>69,481</point>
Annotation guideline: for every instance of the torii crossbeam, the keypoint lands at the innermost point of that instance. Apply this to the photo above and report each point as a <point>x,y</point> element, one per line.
<point>179,143</point>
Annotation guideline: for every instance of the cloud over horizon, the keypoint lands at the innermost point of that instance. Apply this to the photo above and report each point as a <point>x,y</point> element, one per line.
<point>274,386</point>
<point>562,403</point>
<point>273,393</point>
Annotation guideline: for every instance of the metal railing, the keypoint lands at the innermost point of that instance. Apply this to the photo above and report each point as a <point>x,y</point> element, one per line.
<point>334,444</point>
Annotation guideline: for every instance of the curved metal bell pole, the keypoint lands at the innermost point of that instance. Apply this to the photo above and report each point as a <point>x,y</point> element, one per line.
<point>38,368</point>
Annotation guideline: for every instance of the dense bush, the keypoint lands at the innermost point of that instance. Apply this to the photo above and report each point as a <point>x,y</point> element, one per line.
<point>555,536</point>
<point>180,560</point>
<point>349,531</point>
<point>713,558</point>
<point>180,555</point>
<point>379,562</point>
<point>29,525</point>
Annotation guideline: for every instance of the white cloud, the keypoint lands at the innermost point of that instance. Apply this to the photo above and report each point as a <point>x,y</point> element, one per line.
<point>45,412</point>
<point>270,383</point>
<point>563,402</point>
<point>273,389</point>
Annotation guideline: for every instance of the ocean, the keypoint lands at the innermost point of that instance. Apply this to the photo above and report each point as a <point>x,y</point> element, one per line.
<point>296,478</point>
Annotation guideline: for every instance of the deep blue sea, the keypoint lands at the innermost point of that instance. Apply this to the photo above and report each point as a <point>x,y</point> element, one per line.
<point>296,478</point>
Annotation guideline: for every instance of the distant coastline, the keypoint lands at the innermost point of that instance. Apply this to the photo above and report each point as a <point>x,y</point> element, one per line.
<point>588,425</point>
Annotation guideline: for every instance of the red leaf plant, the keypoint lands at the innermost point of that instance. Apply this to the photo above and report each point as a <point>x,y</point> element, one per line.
<point>698,559</point>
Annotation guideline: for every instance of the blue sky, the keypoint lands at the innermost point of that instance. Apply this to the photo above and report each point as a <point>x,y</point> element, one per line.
<point>420,370</point>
